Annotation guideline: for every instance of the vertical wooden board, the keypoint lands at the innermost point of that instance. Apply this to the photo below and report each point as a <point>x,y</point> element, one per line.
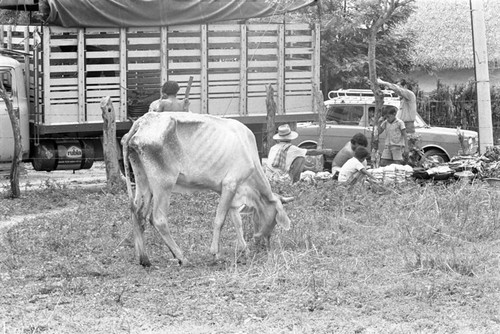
<point>46,74</point>
<point>204,70</point>
<point>164,55</point>
<point>280,89</point>
<point>122,109</point>
<point>81,74</point>
<point>9,37</point>
<point>243,108</point>
<point>316,66</point>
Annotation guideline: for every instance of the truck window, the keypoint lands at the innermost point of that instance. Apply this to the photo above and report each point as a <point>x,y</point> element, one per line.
<point>6,79</point>
<point>344,114</point>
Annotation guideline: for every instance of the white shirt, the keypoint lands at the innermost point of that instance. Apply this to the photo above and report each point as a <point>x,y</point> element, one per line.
<point>350,168</point>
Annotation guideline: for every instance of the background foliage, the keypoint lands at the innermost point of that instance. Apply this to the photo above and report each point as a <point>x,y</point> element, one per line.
<point>456,106</point>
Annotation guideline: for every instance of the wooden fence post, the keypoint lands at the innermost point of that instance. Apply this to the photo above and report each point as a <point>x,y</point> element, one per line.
<point>270,118</point>
<point>15,190</point>
<point>322,124</point>
<point>113,177</point>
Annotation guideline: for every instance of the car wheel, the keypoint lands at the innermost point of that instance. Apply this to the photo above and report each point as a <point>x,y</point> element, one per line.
<point>436,155</point>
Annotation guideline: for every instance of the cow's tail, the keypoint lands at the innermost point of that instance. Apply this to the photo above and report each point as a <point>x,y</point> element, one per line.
<point>126,163</point>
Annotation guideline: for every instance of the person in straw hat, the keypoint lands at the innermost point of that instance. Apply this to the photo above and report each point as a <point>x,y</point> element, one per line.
<point>285,160</point>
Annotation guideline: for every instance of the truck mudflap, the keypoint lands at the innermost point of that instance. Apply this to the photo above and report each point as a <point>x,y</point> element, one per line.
<point>52,155</point>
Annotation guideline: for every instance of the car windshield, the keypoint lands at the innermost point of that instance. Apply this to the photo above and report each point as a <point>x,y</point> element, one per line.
<point>344,114</point>
<point>419,122</point>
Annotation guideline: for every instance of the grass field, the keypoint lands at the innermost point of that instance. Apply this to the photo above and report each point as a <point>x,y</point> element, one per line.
<point>419,259</point>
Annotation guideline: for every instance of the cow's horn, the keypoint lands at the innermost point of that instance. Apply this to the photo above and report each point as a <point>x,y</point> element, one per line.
<point>286,199</point>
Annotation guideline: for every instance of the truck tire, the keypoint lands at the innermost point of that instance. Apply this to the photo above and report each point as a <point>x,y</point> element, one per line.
<point>437,154</point>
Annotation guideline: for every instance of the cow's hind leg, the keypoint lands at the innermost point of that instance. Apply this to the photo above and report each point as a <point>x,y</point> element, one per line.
<point>140,215</point>
<point>161,203</point>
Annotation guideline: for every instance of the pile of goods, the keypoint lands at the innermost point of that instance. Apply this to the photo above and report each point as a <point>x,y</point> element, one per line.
<point>467,167</point>
<point>312,177</point>
<point>392,174</point>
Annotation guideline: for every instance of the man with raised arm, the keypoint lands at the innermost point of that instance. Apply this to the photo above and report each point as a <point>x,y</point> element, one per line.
<point>408,102</point>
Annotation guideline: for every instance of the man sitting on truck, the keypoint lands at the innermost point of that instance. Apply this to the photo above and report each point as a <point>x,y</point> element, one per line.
<point>169,100</point>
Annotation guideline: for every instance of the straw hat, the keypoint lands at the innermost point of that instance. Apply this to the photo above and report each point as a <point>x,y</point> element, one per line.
<point>285,133</point>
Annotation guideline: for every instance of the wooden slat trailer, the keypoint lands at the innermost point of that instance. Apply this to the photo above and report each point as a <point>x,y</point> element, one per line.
<point>67,71</point>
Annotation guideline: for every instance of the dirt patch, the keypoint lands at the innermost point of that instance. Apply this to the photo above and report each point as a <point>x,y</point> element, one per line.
<point>31,179</point>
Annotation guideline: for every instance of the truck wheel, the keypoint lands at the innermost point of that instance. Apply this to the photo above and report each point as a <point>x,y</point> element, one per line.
<point>436,155</point>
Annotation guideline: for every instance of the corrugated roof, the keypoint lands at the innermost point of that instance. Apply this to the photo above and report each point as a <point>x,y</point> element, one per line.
<point>444,33</point>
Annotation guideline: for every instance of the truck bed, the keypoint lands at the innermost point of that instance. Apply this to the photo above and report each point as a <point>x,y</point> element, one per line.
<point>72,69</point>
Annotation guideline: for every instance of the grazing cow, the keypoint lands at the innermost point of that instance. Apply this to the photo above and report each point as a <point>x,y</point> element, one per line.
<point>185,152</point>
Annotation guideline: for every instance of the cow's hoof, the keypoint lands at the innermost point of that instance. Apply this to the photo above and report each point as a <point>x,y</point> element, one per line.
<point>144,261</point>
<point>184,263</point>
<point>216,260</point>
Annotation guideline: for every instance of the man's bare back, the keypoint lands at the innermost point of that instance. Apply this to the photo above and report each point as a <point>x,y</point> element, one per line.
<point>173,104</point>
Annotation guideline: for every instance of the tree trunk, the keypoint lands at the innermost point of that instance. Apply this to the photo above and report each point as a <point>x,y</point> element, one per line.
<point>270,119</point>
<point>322,125</point>
<point>113,177</point>
<point>377,92</point>
<point>15,190</point>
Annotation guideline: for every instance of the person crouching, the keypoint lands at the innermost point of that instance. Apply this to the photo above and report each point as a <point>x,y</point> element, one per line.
<point>354,171</point>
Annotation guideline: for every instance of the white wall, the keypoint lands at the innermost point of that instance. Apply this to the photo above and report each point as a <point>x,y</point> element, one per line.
<point>428,82</point>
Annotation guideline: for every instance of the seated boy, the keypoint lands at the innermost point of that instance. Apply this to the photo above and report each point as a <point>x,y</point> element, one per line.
<point>354,169</point>
<point>169,100</point>
<point>347,152</point>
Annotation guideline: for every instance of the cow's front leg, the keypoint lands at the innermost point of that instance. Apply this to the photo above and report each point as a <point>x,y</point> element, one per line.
<point>228,191</point>
<point>235,216</point>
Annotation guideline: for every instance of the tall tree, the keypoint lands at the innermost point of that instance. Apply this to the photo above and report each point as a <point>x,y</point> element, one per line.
<point>380,15</point>
<point>345,33</point>
<point>360,41</point>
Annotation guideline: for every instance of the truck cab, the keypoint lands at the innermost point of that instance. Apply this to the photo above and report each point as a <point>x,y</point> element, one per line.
<point>14,85</point>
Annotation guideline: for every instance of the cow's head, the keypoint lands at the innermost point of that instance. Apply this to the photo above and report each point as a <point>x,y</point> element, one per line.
<point>270,213</point>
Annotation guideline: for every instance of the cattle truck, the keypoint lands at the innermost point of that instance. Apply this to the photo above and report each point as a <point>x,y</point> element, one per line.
<point>56,77</point>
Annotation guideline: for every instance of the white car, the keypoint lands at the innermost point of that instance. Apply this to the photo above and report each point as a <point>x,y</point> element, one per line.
<point>349,112</point>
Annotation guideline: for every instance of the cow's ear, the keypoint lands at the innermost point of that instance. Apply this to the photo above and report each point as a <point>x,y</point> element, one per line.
<point>285,200</point>
<point>282,218</point>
